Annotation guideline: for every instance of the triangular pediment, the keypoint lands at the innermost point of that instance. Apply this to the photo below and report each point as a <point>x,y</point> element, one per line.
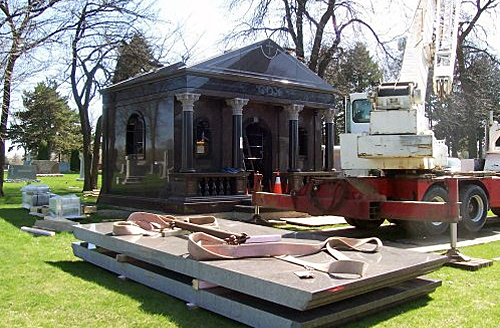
<point>263,60</point>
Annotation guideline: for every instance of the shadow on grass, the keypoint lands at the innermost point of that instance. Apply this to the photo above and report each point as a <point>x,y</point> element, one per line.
<point>18,217</point>
<point>387,314</point>
<point>152,301</point>
<point>157,303</point>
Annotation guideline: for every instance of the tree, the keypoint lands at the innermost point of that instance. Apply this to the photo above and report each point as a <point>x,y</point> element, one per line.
<point>47,125</point>
<point>473,11</point>
<point>315,27</point>
<point>134,57</point>
<point>25,25</point>
<point>354,71</point>
<point>100,28</point>
<point>461,118</point>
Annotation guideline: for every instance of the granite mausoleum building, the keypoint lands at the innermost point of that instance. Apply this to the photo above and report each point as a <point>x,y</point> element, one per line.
<point>187,139</point>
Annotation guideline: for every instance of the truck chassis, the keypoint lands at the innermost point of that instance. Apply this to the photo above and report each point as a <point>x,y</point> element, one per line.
<point>422,203</point>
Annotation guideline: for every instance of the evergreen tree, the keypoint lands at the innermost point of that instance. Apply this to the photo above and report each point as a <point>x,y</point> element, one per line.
<point>47,125</point>
<point>353,71</point>
<point>134,58</point>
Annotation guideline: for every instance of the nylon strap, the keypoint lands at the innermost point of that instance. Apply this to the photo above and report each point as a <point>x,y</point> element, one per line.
<point>205,247</point>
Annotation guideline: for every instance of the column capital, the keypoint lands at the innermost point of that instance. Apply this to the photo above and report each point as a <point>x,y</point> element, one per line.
<point>237,105</point>
<point>187,99</point>
<point>293,111</point>
<point>329,115</point>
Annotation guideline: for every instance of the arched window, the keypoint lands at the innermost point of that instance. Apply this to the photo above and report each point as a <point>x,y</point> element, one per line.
<point>135,143</point>
<point>202,138</point>
<point>302,142</point>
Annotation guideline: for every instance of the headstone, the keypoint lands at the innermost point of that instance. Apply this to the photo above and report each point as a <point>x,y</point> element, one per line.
<point>46,167</point>
<point>82,168</point>
<point>22,172</point>
<point>467,165</point>
<point>27,159</point>
<point>64,167</point>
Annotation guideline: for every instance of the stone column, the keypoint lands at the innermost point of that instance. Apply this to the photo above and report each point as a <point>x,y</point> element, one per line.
<point>293,136</point>
<point>236,105</point>
<point>329,116</point>
<point>187,158</point>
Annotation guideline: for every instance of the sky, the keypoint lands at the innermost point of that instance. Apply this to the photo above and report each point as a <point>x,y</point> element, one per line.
<point>204,23</point>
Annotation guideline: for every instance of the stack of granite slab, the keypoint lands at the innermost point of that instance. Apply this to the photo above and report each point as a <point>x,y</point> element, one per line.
<point>261,292</point>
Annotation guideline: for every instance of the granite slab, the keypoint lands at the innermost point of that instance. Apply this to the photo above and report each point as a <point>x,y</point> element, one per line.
<point>268,279</point>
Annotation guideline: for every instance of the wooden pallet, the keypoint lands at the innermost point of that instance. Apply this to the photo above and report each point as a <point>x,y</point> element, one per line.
<point>93,193</point>
<point>40,211</point>
<point>472,264</point>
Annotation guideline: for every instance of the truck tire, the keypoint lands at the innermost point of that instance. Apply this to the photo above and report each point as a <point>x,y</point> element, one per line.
<point>426,228</point>
<point>474,208</point>
<point>364,224</point>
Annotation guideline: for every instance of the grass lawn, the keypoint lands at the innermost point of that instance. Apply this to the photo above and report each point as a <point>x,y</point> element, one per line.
<point>43,285</point>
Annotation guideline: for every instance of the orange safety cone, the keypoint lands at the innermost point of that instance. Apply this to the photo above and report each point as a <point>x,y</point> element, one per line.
<point>277,184</point>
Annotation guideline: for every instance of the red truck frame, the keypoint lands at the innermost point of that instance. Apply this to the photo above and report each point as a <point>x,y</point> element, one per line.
<point>427,203</point>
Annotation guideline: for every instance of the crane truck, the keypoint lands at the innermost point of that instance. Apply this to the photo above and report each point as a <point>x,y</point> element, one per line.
<point>387,133</point>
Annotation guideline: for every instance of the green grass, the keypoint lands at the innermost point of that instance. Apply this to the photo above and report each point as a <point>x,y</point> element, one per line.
<point>43,285</point>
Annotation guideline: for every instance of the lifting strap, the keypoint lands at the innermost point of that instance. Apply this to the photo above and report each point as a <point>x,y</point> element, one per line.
<point>202,246</point>
<point>209,243</point>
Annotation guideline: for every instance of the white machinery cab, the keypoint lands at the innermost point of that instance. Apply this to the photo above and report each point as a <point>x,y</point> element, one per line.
<point>387,139</point>
<point>357,113</point>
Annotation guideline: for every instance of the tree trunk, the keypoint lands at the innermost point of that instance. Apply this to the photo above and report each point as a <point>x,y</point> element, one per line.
<point>7,82</point>
<point>95,156</point>
<point>86,150</point>
<point>454,146</point>
<point>472,144</point>
<point>87,158</point>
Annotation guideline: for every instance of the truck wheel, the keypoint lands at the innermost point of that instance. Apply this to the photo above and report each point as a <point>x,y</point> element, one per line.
<point>427,228</point>
<point>364,224</point>
<point>474,208</point>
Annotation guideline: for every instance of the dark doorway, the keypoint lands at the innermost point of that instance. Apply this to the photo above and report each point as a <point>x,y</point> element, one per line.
<point>257,152</point>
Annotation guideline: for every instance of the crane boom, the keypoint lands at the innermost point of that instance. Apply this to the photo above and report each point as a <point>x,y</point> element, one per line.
<point>418,51</point>
<point>399,137</point>
<point>448,15</point>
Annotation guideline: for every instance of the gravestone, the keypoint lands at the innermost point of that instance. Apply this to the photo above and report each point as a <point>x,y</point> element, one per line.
<point>64,167</point>
<point>27,159</point>
<point>46,167</point>
<point>82,169</point>
<point>21,173</point>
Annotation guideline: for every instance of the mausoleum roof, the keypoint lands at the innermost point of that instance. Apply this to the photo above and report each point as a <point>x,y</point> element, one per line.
<point>264,62</point>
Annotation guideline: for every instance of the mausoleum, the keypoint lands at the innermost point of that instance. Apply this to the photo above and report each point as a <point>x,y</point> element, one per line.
<point>188,139</point>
